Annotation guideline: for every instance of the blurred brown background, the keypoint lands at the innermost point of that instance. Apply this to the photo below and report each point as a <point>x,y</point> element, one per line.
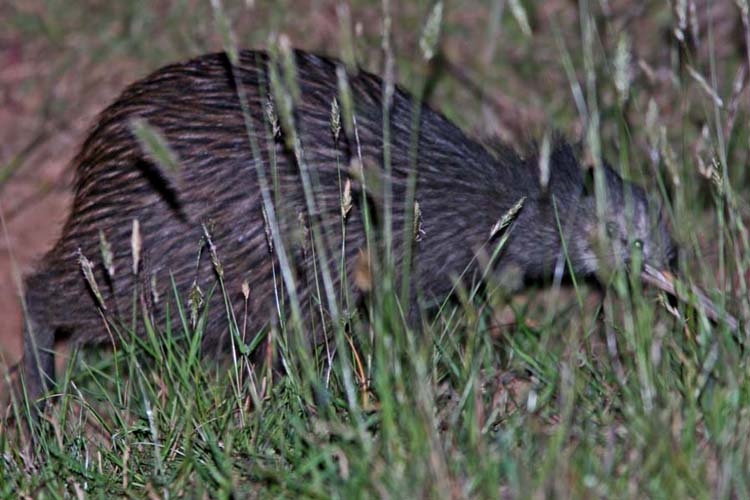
<point>61,62</point>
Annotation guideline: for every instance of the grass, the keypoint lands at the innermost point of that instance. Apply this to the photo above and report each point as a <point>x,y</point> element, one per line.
<point>561,391</point>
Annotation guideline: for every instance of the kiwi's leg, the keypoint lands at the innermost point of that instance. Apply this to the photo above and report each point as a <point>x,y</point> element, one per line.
<point>38,355</point>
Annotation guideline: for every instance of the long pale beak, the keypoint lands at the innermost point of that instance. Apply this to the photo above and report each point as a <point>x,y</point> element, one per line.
<point>668,282</point>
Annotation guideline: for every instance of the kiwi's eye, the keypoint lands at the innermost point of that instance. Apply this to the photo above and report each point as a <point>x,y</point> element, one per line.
<point>611,229</point>
<point>638,244</point>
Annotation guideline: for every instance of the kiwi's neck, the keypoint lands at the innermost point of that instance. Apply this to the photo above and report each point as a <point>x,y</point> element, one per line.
<point>536,245</point>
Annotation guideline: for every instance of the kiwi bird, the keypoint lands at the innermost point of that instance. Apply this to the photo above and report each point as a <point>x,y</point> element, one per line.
<point>260,160</point>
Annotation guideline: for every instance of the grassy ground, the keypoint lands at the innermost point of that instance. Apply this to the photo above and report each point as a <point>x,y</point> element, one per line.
<point>558,392</point>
